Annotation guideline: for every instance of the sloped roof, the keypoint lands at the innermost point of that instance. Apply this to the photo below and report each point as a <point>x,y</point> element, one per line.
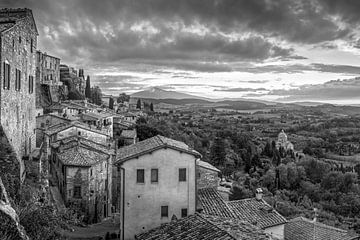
<point>81,156</point>
<point>150,145</point>
<point>79,140</point>
<point>207,165</point>
<point>63,126</point>
<point>213,204</point>
<point>256,212</point>
<point>304,229</point>
<point>199,226</point>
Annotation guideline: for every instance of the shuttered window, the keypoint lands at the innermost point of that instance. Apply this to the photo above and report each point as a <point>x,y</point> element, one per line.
<point>18,80</point>
<point>6,76</point>
<point>31,84</point>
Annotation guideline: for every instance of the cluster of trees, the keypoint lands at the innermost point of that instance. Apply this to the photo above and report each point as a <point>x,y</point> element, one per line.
<point>294,187</point>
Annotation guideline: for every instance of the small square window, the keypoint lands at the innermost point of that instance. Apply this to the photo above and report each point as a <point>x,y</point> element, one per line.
<point>182,175</point>
<point>154,175</point>
<point>184,212</point>
<point>140,176</point>
<point>164,211</point>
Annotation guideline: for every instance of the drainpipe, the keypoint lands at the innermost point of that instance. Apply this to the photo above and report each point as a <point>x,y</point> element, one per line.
<point>122,224</point>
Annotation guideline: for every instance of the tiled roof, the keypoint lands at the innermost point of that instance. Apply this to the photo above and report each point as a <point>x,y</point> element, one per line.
<point>128,134</point>
<point>83,141</point>
<point>152,144</point>
<point>304,229</point>
<point>81,156</point>
<point>207,165</point>
<point>200,226</point>
<point>95,115</point>
<point>256,212</point>
<point>213,204</point>
<point>63,126</point>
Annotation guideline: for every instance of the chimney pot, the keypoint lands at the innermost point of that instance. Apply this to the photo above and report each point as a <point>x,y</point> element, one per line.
<point>259,194</point>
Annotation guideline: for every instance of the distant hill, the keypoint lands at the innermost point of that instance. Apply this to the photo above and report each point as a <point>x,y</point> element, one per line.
<point>243,105</point>
<point>158,93</point>
<point>177,101</point>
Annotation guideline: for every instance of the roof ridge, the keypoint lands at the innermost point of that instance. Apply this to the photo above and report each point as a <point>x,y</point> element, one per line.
<point>319,224</point>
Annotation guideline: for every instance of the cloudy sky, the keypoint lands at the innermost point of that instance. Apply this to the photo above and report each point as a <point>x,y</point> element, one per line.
<point>269,49</point>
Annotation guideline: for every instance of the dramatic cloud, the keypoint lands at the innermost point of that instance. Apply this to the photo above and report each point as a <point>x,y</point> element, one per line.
<point>241,89</point>
<point>166,41</point>
<point>332,90</point>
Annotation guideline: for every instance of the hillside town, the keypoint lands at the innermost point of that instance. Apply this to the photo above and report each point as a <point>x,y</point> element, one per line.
<point>89,165</point>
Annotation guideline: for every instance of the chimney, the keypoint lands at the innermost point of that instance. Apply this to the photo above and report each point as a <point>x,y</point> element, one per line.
<point>315,215</point>
<point>258,194</point>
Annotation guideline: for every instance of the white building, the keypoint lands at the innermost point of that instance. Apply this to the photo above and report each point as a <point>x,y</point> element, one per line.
<point>155,180</point>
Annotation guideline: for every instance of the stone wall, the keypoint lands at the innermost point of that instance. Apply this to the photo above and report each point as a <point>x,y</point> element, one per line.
<point>18,106</point>
<point>207,178</point>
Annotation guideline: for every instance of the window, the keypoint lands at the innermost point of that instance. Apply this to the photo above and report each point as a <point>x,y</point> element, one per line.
<point>18,80</point>
<point>182,175</point>
<point>154,175</point>
<point>31,84</point>
<point>140,176</point>
<point>77,192</point>
<point>164,211</point>
<point>31,45</point>
<point>184,212</point>
<point>6,83</point>
<point>19,39</point>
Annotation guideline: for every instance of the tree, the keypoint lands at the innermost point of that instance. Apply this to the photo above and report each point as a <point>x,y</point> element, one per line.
<point>88,88</point>
<point>151,107</point>
<point>96,95</point>
<point>138,104</point>
<point>123,98</point>
<point>217,152</point>
<point>111,103</point>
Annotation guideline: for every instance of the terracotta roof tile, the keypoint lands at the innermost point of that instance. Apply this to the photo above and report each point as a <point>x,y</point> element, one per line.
<point>149,145</point>
<point>304,229</point>
<point>256,212</point>
<point>200,226</point>
<point>213,204</point>
<point>81,156</point>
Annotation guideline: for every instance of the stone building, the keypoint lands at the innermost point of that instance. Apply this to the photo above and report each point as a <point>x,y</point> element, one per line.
<point>82,171</point>
<point>48,85</point>
<point>284,142</point>
<point>74,81</point>
<point>18,38</point>
<point>207,175</point>
<point>154,180</point>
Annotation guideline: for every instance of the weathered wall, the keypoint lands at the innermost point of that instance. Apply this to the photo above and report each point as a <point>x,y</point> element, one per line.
<point>206,178</point>
<point>143,201</point>
<point>18,107</point>
<point>276,231</point>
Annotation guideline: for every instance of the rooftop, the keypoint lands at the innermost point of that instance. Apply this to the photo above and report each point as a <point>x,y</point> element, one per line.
<point>199,226</point>
<point>213,204</point>
<point>150,145</point>
<point>83,141</point>
<point>303,229</point>
<point>207,165</point>
<point>79,155</point>
<point>256,212</point>
<point>63,126</point>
